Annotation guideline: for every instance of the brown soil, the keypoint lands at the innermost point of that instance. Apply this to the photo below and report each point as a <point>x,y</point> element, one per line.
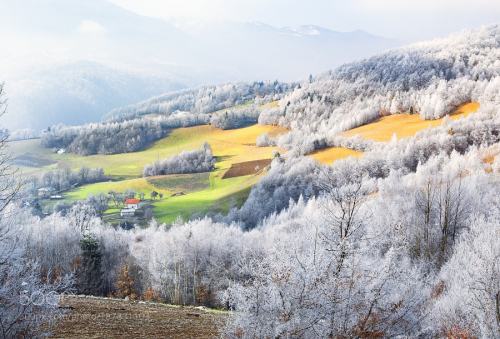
<point>246,168</point>
<point>90,317</point>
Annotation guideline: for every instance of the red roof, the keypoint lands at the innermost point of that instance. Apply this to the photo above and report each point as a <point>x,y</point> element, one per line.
<point>132,201</point>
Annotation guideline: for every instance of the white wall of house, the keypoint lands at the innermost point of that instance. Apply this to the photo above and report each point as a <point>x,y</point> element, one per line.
<point>127,212</point>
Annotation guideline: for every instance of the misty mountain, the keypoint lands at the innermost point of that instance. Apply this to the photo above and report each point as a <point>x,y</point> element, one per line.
<point>254,51</point>
<point>72,61</point>
<point>76,93</point>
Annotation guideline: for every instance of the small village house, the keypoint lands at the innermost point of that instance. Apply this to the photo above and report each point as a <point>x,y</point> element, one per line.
<point>132,204</point>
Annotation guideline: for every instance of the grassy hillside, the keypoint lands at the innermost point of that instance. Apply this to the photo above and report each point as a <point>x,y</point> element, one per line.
<point>192,194</point>
<point>230,146</point>
<point>213,193</point>
<point>219,197</point>
<point>331,154</point>
<point>405,125</point>
<point>201,193</point>
<point>382,130</point>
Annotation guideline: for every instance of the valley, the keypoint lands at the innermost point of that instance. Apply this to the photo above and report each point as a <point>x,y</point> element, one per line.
<point>212,194</point>
<point>187,195</point>
<point>362,202</point>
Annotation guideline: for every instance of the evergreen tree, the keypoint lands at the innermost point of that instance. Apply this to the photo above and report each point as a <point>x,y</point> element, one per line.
<point>89,274</point>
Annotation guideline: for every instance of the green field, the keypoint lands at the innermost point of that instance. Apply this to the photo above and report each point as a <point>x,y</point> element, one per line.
<point>210,193</point>
<point>194,194</point>
<point>219,197</point>
<point>181,183</point>
<point>201,193</point>
<point>197,194</point>
<point>229,145</point>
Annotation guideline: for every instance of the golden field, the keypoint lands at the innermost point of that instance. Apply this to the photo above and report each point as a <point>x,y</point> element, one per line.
<point>405,125</point>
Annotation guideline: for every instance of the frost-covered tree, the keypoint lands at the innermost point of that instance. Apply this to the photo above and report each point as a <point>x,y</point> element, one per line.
<point>63,179</point>
<point>198,161</point>
<point>287,180</point>
<point>235,118</point>
<point>469,298</point>
<point>28,295</point>
<point>264,140</point>
<point>431,79</point>
<point>206,99</point>
<point>321,278</point>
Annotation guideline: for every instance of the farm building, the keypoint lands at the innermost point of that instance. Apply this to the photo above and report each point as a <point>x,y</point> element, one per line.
<point>132,204</point>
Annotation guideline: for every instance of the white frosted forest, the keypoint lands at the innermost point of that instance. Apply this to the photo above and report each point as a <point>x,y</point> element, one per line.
<point>402,242</point>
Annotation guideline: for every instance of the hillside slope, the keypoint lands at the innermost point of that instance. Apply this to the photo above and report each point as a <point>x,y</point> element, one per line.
<point>431,79</point>
<point>405,125</point>
<point>37,99</point>
<point>164,57</point>
<point>240,164</point>
<point>198,193</point>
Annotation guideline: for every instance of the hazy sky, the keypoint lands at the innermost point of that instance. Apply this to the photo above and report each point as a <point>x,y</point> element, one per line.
<point>402,19</point>
<point>63,57</point>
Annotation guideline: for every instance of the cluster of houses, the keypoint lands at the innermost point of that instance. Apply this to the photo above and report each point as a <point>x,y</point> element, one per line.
<point>131,206</point>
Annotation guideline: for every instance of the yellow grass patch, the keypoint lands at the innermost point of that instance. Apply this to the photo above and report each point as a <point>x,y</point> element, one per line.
<point>489,159</point>
<point>230,146</point>
<point>238,145</point>
<point>465,109</point>
<point>489,156</point>
<point>405,125</point>
<point>329,155</point>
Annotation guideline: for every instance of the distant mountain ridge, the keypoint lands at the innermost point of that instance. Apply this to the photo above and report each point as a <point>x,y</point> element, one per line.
<point>77,93</point>
<point>467,56</point>
<point>430,78</point>
<point>134,48</point>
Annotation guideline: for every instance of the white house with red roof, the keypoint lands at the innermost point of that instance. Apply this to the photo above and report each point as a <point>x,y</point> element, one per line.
<point>132,204</point>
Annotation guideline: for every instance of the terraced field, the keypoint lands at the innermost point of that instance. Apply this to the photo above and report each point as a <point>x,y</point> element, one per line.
<point>181,183</point>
